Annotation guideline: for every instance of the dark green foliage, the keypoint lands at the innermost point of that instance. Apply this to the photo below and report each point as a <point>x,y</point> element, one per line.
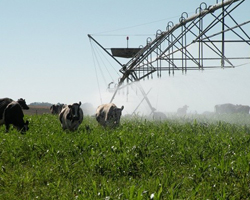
<point>141,159</point>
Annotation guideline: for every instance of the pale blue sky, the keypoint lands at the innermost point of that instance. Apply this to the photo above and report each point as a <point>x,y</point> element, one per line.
<point>46,56</point>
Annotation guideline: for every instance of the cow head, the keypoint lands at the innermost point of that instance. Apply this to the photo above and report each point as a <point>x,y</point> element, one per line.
<point>23,104</point>
<point>53,109</point>
<point>116,115</point>
<point>74,113</point>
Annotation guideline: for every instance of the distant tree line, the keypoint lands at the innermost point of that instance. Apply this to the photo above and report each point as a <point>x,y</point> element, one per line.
<point>40,104</point>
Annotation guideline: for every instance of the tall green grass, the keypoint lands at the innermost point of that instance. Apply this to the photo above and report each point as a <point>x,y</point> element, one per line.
<point>185,158</point>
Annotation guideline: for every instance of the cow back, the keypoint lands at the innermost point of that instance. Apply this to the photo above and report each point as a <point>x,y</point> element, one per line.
<point>13,109</point>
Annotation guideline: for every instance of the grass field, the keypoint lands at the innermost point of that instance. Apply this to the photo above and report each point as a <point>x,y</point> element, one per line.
<point>181,158</point>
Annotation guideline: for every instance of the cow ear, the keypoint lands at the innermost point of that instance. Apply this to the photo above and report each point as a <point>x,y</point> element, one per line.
<point>122,107</point>
<point>80,103</point>
<point>70,106</point>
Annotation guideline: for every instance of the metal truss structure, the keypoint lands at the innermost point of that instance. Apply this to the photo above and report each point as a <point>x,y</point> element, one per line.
<point>196,43</point>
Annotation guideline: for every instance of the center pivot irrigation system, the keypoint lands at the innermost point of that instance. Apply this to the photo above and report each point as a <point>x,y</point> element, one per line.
<point>195,43</point>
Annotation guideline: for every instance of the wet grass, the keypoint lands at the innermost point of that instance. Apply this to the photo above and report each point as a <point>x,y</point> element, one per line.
<point>184,158</point>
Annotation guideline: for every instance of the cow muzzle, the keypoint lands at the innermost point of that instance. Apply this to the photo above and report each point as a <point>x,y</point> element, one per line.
<point>75,117</point>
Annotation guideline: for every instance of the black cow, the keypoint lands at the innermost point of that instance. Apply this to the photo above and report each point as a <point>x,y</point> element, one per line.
<point>13,114</point>
<point>4,103</point>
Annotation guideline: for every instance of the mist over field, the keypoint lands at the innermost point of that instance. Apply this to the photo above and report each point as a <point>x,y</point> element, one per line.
<point>200,90</point>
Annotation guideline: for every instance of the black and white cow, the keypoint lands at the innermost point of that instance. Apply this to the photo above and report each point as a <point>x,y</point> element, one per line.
<point>71,116</point>
<point>55,109</point>
<point>13,114</point>
<point>108,115</point>
<point>4,103</point>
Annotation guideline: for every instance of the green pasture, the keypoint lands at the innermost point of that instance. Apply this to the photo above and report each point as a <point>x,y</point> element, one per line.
<point>179,158</point>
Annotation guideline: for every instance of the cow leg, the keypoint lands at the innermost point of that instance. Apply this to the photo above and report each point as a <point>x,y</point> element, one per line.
<point>63,126</point>
<point>7,127</point>
<point>1,122</point>
<point>98,118</point>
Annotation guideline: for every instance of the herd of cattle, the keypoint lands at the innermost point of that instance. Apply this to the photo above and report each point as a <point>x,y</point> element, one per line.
<point>70,116</point>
